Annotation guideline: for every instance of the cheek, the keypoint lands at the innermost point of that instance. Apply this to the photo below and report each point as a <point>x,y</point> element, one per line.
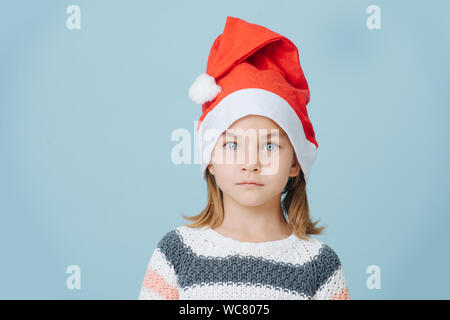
<point>223,173</point>
<point>279,164</point>
<point>286,164</point>
<point>279,180</point>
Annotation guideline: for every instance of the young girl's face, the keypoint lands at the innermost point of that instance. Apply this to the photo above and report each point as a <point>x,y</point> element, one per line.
<point>254,148</point>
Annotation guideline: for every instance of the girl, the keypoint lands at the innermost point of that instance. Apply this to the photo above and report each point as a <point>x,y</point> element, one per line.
<point>257,145</point>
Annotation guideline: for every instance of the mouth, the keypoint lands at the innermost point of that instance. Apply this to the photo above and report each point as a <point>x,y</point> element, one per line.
<point>249,183</point>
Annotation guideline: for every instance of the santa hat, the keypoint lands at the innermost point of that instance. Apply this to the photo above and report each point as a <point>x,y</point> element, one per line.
<point>253,70</point>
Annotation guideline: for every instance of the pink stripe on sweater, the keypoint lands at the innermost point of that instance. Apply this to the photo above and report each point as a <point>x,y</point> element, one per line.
<point>153,280</point>
<point>341,295</point>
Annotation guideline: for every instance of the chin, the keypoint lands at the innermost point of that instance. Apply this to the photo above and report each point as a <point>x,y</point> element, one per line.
<point>251,201</point>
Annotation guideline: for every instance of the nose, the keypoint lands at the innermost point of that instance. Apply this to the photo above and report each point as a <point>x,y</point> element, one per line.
<point>250,167</point>
<point>251,162</point>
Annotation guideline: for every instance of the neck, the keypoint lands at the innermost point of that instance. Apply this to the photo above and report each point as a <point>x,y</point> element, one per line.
<point>266,218</point>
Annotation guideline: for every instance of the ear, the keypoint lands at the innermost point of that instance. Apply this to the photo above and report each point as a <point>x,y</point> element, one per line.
<point>295,167</point>
<point>211,168</point>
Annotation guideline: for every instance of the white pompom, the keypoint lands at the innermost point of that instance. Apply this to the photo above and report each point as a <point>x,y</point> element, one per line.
<point>204,89</point>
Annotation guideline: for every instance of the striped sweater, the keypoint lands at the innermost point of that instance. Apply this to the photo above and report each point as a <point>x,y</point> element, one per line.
<point>201,263</point>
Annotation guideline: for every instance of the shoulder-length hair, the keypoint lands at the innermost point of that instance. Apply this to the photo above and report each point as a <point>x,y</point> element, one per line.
<point>294,206</point>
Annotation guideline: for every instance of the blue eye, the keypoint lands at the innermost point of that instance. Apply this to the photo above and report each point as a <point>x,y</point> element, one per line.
<point>273,146</point>
<point>231,142</point>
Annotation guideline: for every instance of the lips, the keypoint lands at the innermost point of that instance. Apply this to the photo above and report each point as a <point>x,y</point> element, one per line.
<point>249,183</point>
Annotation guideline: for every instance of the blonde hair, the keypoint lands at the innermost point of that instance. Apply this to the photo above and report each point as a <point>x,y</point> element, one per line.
<point>294,204</point>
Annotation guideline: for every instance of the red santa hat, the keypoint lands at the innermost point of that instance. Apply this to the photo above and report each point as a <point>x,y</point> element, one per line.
<point>253,70</point>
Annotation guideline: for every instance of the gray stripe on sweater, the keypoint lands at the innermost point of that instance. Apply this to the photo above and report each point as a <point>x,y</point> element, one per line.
<point>192,269</point>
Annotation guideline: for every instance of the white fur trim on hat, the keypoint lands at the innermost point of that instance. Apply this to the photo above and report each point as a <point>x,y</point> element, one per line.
<point>204,89</point>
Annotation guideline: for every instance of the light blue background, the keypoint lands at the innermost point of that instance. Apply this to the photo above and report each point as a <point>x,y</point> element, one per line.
<point>86,117</point>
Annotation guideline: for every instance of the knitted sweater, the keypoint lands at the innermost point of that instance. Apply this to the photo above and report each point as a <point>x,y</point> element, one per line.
<point>201,263</point>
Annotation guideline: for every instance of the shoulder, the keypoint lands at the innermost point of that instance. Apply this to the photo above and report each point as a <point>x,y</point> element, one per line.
<point>168,237</point>
<point>172,247</point>
<point>171,243</point>
<point>178,238</point>
<point>174,238</point>
<point>324,252</point>
<point>314,248</point>
<point>326,261</point>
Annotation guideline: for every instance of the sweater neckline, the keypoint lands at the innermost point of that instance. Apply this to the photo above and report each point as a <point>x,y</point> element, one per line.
<point>214,235</point>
